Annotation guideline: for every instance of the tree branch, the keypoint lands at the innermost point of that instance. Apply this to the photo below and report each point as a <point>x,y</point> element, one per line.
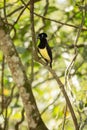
<point>61,86</point>
<point>19,76</point>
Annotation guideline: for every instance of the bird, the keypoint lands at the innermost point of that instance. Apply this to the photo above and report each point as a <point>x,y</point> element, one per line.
<point>44,48</point>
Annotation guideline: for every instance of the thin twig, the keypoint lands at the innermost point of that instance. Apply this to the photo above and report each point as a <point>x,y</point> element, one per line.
<point>20,122</point>
<point>34,48</point>
<point>5,15</point>
<point>63,91</point>
<point>6,20</point>
<point>41,82</point>
<point>2,82</point>
<point>15,11</point>
<point>10,97</point>
<point>50,104</point>
<point>83,124</point>
<point>6,120</point>
<point>32,65</point>
<point>44,14</point>
<point>62,23</point>
<point>67,72</point>
<point>64,120</point>
<point>67,75</point>
<point>7,103</point>
<point>21,12</point>
<point>56,21</point>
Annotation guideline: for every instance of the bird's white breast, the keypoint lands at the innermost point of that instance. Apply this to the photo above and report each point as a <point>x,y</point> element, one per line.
<point>44,54</point>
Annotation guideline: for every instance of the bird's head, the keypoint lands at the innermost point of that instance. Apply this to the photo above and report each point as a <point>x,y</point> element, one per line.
<point>42,35</point>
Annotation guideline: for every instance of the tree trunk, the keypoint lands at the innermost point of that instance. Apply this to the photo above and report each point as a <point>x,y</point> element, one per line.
<point>19,76</point>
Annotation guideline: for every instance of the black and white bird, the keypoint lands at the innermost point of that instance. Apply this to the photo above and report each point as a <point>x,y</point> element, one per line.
<point>44,48</point>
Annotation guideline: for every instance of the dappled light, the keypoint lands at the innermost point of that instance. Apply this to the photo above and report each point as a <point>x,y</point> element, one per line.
<point>40,90</point>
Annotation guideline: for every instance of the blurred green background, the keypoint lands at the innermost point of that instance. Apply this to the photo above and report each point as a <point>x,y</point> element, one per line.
<point>61,37</point>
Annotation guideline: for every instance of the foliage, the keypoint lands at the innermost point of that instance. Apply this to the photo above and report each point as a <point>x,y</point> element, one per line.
<point>61,20</point>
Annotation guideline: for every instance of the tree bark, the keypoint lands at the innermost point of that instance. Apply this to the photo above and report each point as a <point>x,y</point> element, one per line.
<point>19,76</point>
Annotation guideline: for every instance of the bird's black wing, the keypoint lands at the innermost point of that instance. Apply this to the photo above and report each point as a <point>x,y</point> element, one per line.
<point>50,54</point>
<point>49,51</point>
<point>44,44</point>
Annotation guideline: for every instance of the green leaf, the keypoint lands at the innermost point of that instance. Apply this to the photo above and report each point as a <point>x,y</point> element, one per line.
<point>52,9</point>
